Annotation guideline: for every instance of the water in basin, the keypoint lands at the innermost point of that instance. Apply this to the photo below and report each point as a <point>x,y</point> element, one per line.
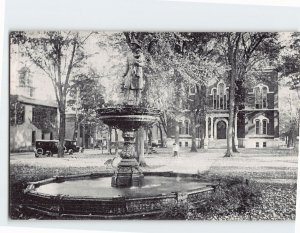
<point>101,187</point>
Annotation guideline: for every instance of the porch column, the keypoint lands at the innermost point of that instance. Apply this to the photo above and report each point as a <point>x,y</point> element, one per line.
<point>235,132</point>
<point>211,127</point>
<point>206,133</point>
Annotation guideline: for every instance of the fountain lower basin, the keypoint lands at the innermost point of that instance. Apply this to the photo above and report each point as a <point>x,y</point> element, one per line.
<point>92,196</point>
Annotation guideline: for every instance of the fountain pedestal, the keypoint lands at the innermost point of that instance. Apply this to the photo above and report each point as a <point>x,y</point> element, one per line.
<point>128,118</point>
<point>128,172</point>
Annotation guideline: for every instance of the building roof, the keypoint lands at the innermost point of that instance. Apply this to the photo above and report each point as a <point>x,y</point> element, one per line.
<point>32,101</point>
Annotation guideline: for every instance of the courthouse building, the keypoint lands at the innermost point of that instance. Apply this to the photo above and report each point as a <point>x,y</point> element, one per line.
<point>257,123</point>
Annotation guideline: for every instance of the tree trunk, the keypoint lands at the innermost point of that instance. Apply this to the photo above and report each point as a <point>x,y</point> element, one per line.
<point>202,130</point>
<point>83,136</point>
<point>78,134</point>
<point>109,140</point>
<point>193,130</point>
<point>61,134</point>
<point>161,136</point>
<point>176,132</point>
<point>234,146</point>
<point>229,151</point>
<point>140,147</point>
<point>116,142</point>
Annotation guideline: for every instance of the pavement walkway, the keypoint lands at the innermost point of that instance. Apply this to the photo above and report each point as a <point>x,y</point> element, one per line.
<point>276,165</point>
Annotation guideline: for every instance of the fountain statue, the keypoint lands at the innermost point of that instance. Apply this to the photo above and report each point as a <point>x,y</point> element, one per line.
<point>129,117</point>
<point>133,83</point>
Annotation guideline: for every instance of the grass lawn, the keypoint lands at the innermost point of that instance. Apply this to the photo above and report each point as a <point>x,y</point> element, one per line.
<point>274,170</point>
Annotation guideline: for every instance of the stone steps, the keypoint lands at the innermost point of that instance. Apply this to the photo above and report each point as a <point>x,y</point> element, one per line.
<point>217,143</point>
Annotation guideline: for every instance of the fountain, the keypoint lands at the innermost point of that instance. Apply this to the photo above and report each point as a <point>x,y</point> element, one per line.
<point>128,192</point>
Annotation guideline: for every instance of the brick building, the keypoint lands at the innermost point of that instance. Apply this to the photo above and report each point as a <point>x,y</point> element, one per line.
<point>257,122</point>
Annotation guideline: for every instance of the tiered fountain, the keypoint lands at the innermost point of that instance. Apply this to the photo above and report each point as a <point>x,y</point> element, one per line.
<point>127,192</point>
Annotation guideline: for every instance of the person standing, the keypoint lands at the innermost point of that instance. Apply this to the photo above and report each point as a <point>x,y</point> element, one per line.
<point>175,149</point>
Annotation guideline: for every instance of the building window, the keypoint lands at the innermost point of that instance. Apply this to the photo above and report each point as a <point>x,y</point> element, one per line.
<point>257,127</point>
<point>220,96</point>
<point>227,98</point>
<point>261,125</point>
<point>221,92</point>
<point>186,127</point>
<point>214,98</point>
<point>264,144</point>
<point>180,127</point>
<point>265,126</point>
<point>261,96</point>
<point>187,105</point>
<point>192,89</point>
<point>33,137</point>
<point>257,98</point>
<point>51,135</point>
<point>24,77</point>
<point>257,145</point>
<point>43,135</point>
<point>186,144</point>
<point>31,92</point>
<point>264,97</point>
<point>180,144</point>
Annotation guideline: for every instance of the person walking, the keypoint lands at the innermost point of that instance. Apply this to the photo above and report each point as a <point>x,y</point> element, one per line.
<point>175,149</point>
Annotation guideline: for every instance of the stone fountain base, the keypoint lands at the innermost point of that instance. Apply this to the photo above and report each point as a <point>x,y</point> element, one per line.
<point>128,174</point>
<point>90,196</point>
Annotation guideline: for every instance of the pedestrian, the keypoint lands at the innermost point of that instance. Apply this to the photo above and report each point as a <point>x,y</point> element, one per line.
<point>175,149</point>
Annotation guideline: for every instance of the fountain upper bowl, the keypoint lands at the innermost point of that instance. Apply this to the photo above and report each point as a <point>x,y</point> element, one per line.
<point>128,117</point>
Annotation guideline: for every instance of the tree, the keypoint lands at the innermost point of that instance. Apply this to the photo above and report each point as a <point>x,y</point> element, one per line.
<point>85,97</point>
<point>59,54</point>
<point>289,115</point>
<point>242,53</point>
<point>290,76</point>
<point>290,57</point>
<point>176,61</point>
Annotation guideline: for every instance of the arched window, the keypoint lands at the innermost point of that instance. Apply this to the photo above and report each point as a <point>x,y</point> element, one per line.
<point>180,127</point>
<point>221,95</point>
<point>214,98</point>
<point>264,126</point>
<point>186,125</point>
<point>261,96</point>
<point>227,98</point>
<point>261,125</point>
<point>257,127</point>
<point>258,99</point>
<point>264,97</point>
<point>192,89</point>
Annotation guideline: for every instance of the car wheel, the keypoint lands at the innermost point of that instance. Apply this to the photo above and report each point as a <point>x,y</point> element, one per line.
<point>70,152</point>
<point>39,152</point>
<point>49,153</point>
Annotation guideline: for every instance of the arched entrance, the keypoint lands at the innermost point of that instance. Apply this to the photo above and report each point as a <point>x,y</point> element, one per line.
<point>221,129</point>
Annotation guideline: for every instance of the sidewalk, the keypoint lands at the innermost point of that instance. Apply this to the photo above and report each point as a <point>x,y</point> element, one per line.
<point>263,165</point>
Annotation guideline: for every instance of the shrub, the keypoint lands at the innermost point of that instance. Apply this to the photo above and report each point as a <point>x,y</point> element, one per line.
<point>233,195</point>
<point>176,211</point>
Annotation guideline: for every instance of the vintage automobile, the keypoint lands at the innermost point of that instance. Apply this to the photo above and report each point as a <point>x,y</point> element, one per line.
<point>71,146</point>
<point>50,147</point>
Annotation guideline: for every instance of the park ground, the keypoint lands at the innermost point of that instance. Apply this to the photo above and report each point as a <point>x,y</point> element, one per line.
<point>275,171</point>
